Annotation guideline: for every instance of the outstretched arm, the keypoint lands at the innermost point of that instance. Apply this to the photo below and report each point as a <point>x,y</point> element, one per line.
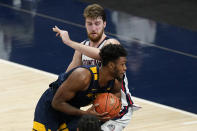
<point>84,49</point>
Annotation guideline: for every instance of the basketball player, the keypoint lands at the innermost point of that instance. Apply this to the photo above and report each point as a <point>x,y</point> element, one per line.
<point>89,123</point>
<point>59,106</point>
<point>87,53</point>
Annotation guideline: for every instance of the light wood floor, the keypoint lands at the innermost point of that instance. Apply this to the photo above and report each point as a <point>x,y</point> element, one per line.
<point>21,87</point>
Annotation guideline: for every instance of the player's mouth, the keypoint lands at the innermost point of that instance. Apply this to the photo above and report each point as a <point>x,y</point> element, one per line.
<point>93,34</point>
<point>121,74</point>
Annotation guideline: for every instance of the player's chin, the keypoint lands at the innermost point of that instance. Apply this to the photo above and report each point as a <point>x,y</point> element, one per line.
<point>121,75</point>
<point>120,78</point>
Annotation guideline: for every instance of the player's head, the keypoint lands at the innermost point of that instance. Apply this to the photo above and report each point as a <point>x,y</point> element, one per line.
<point>94,11</point>
<point>89,123</point>
<point>95,21</point>
<point>113,56</point>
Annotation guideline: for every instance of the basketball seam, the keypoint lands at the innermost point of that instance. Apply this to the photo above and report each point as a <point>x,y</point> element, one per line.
<point>106,102</point>
<point>114,105</point>
<point>100,109</point>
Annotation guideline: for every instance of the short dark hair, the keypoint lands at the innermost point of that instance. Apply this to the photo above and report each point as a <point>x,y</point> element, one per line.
<point>94,11</point>
<point>89,123</point>
<point>111,52</point>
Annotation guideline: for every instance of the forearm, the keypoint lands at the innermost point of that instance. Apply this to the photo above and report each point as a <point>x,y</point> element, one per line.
<point>76,61</point>
<point>91,52</point>
<point>68,109</point>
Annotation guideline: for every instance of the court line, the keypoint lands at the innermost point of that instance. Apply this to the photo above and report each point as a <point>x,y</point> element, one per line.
<point>82,26</point>
<point>28,68</point>
<point>42,15</point>
<point>165,107</point>
<point>189,122</point>
<point>138,99</point>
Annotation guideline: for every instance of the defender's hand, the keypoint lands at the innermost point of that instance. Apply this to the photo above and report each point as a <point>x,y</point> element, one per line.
<point>63,34</point>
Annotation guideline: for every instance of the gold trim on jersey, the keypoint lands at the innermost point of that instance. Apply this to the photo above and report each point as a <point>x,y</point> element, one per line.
<point>63,127</point>
<point>41,127</point>
<point>95,72</point>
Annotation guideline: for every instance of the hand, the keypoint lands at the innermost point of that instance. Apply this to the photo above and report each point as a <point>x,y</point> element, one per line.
<point>103,117</point>
<point>63,34</point>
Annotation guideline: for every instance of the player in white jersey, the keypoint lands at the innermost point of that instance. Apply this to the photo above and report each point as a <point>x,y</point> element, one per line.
<point>119,123</point>
<point>87,53</point>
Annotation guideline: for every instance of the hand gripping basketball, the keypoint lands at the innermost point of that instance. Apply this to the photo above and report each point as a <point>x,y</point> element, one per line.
<point>107,102</point>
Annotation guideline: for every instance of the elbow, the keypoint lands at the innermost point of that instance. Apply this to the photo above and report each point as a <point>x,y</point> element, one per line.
<point>97,57</point>
<point>54,104</point>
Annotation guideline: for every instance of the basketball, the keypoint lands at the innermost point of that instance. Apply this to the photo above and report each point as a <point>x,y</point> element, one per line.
<point>108,103</point>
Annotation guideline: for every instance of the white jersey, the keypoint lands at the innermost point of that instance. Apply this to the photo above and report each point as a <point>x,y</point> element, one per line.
<point>125,94</point>
<point>90,61</point>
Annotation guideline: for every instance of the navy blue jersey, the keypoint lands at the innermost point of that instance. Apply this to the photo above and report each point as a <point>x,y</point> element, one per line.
<point>46,117</point>
<point>83,98</point>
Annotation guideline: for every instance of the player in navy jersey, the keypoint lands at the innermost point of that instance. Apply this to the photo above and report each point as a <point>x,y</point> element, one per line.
<point>87,53</point>
<point>59,106</point>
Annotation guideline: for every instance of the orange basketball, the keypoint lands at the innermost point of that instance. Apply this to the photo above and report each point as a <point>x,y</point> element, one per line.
<point>108,103</point>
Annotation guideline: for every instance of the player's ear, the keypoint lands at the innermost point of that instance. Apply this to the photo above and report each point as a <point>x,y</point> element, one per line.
<point>111,65</point>
<point>104,24</point>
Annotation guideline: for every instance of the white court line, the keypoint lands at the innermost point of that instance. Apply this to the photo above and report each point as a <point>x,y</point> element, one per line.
<point>28,68</point>
<point>138,99</point>
<point>165,107</point>
<point>190,123</point>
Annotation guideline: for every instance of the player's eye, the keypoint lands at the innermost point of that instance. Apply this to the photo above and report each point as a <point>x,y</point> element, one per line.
<point>97,23</point>
<point>89,24</point>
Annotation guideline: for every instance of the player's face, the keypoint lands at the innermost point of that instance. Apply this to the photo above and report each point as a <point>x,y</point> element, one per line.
<point>120,68</point>
<point>95,28</point>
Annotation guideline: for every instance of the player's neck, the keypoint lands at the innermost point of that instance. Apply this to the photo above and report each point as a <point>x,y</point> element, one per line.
<point>104,76</point>
<point>96,44</point>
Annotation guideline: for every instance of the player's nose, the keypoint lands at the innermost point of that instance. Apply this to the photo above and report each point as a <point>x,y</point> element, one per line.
<point>124,68</point>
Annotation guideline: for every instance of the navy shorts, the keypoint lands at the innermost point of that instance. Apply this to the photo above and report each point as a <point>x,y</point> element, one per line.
<point>48,119</point>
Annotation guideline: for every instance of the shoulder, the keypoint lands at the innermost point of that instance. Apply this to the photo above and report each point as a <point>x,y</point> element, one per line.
<point>112,41</point>
<point>81,75</point>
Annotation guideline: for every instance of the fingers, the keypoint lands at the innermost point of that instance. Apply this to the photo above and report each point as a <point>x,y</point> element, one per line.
<point>92,108</point>
<point>100,115</point>
<point>56,29</point>
<point>57,34</point>
<point>104,114</point>
<point>95,105</point>
<point>106,118</point>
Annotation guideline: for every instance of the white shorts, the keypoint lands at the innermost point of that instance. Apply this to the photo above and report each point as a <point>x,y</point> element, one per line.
<point>118,124</point>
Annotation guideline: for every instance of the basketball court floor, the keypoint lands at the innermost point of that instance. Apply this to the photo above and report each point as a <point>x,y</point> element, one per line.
<point>161,66</point>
